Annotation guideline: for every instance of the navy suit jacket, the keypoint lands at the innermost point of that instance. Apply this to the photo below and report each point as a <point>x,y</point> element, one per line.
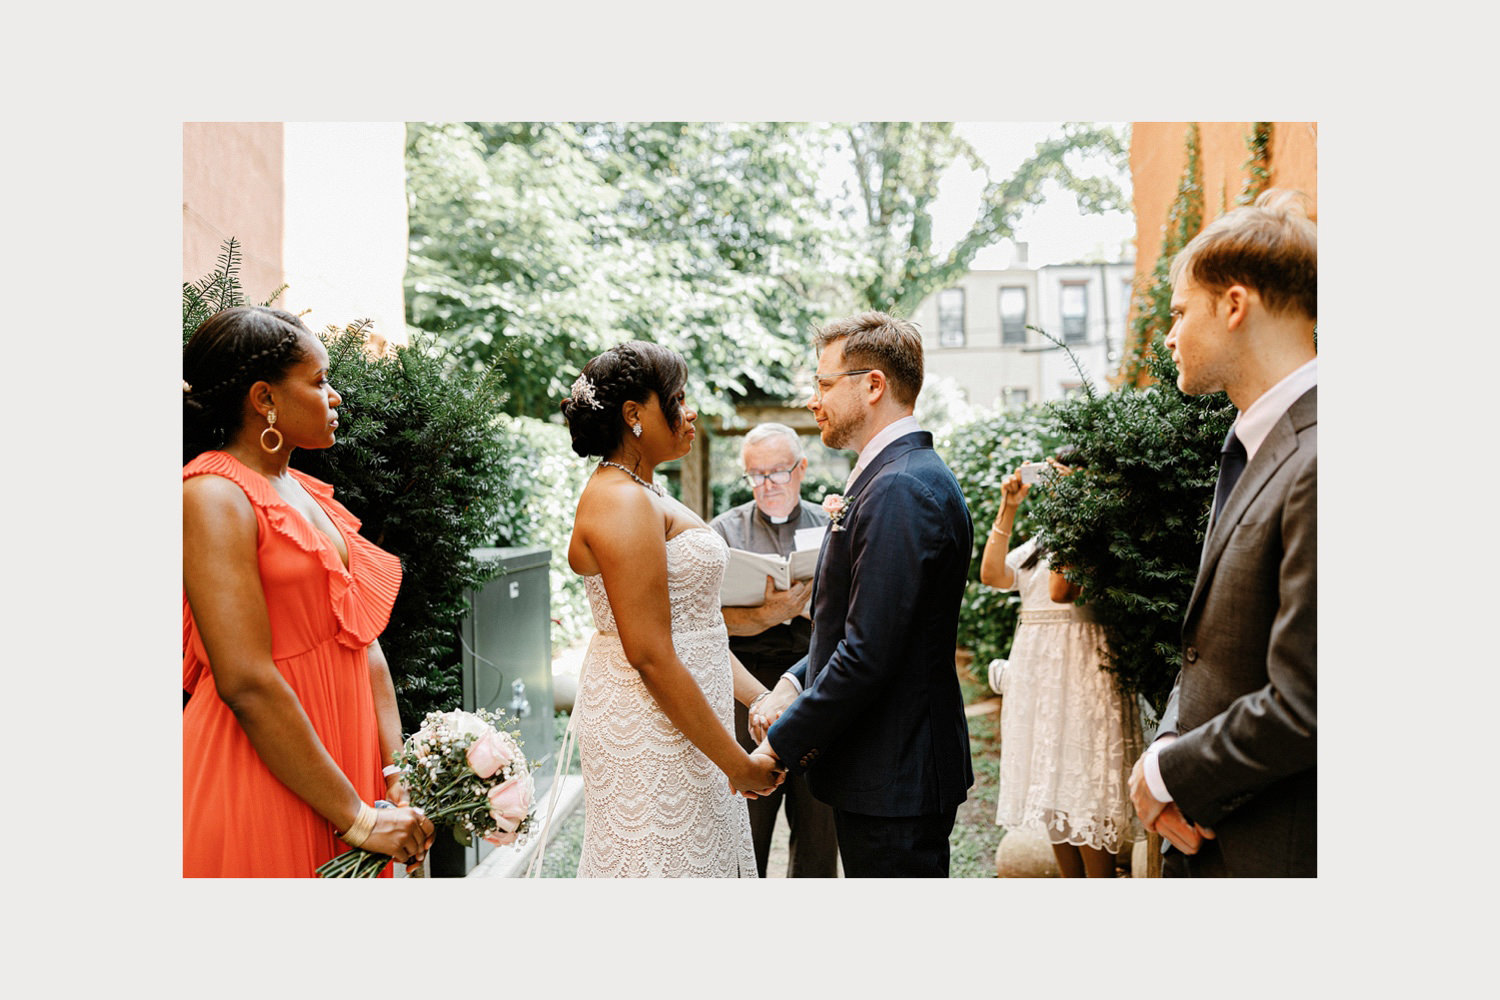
<point>879,727</point>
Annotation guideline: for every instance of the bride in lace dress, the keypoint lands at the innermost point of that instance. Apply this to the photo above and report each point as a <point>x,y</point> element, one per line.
<point>664,777</point>
<point>1068,736</point>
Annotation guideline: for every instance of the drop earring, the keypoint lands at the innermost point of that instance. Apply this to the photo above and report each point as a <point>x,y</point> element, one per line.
<point>635,429</point>
<point>271,429</point>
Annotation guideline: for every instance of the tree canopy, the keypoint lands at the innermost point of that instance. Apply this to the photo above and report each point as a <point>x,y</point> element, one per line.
<point>536,245</point>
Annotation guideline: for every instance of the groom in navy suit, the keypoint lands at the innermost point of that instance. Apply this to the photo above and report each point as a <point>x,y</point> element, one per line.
<point>873,714</point>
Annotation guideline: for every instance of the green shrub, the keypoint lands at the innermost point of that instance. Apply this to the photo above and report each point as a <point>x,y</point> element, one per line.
<point>980,453</point>
<point>1128,525</point>
<point>216,291</point>
<point>421,461</point>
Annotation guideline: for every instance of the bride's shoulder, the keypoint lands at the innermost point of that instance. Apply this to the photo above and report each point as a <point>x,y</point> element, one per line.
<point>618,507</point>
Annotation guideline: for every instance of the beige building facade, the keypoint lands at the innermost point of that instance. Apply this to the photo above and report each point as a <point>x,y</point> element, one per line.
<point>982,332</point>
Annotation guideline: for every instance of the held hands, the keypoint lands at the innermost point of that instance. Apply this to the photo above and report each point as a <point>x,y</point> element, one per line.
<point>1165,818</point>
<point>768,709</point>
<point>762,776</point>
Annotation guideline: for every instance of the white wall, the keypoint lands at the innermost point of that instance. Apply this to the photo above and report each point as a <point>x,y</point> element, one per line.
<point>984,366</point>
<point>1108,310</point>
<point>344,247</point>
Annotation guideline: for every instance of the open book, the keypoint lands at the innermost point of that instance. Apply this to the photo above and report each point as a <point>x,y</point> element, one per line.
<point>745,576</point>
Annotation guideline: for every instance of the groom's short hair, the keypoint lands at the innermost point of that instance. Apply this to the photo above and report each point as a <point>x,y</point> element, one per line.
<point>879,340</point>
<point>1270,246</point>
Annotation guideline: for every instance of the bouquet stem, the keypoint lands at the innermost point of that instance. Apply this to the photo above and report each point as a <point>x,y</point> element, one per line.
<point>356,863</point>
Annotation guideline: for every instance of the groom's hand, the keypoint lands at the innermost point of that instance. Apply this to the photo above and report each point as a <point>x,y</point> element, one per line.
<point>1165,818</point>
<point>765,775</point>
<point>1147,806</point>
<point>770,708</point>
<point>1176,830</point>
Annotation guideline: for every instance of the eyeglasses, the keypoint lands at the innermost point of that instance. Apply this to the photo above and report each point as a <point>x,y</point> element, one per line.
<point>778,476</point>
<point>825,382</point>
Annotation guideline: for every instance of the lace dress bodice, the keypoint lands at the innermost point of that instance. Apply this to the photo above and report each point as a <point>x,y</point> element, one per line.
<point>695,570</point>
<point>654,804</point>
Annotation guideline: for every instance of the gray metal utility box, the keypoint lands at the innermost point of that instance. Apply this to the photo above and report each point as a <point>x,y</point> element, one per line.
<point>507,664</point>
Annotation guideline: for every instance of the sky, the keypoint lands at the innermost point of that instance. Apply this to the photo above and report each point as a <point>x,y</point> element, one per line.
<point>1055,231</point>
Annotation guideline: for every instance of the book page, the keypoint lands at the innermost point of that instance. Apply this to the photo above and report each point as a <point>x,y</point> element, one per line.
<point>810,538</point>
<point>745,575</point>
<point>803,564</point>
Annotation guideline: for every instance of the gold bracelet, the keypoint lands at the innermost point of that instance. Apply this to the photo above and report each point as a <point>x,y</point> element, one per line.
<point>997,531</point>
<point>359,831</point>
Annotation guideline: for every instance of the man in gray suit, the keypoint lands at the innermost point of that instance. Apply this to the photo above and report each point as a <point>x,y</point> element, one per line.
<point>1231,780</point>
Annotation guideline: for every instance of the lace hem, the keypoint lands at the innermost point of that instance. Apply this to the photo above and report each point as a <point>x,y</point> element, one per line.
<point>1102,834</point>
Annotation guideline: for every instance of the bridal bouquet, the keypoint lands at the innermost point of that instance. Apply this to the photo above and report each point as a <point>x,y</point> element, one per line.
<point>466,773</point>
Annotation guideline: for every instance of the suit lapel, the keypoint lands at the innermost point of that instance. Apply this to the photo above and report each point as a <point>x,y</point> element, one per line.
<point>891,452</point>
<point>1278,446</point>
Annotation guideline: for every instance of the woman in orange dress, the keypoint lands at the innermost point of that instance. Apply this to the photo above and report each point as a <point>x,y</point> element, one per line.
<point>291,716</point>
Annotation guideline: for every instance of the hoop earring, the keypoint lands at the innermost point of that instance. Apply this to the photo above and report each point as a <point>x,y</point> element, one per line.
<point>271,429</point>
<point>635,429</point>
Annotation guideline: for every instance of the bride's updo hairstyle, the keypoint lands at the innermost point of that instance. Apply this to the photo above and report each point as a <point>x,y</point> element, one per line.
<point>231,351</point>
<point>632,371</point>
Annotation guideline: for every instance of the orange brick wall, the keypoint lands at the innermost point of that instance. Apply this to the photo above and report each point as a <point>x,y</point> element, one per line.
<point>1158,153</point>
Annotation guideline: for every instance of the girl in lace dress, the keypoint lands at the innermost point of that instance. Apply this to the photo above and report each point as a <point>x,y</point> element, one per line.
<point>1067,736</point>
<point>654,718</point>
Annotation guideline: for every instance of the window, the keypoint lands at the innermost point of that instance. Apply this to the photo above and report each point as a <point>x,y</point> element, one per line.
<point>1014,398</point>
<point>1075,313</point>
<point>951,317</point>
<point>1013,315</point>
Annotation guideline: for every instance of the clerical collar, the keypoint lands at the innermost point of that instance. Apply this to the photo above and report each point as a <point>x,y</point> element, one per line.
<point>796,513</point>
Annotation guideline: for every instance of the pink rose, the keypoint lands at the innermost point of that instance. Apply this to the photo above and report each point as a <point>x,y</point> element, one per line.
<point>501,839</point>
<point>488,754</point>
<point>510,801</point>
<point>833,505</point>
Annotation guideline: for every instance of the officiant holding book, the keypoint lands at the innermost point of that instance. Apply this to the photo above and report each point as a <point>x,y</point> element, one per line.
<point>775,634</point>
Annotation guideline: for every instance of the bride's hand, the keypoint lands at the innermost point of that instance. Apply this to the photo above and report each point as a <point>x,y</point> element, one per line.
<point>761,776</point>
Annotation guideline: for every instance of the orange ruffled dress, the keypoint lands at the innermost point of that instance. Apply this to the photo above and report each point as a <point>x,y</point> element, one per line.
<point>237,818</point>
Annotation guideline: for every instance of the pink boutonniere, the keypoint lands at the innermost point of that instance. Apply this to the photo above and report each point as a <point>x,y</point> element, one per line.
<point>835,506</point>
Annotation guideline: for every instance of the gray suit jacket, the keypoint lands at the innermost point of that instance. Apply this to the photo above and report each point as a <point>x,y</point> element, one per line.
<point>1245,704</point>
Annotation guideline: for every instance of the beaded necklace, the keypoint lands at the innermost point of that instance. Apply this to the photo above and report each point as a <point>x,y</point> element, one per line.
<point>653,487</point>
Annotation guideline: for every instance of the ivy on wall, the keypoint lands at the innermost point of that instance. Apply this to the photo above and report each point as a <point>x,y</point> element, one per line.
<point>1258,166</point>
<point>1151,318</point>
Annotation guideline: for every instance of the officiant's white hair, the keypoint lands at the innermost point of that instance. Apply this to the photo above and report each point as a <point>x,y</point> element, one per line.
<point>761,432</point>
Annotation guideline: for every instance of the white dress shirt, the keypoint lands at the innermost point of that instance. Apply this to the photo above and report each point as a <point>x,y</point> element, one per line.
<point>1252,428</point>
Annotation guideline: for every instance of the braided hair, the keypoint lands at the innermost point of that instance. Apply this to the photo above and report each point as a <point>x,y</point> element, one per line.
<point>229,352</point>
<point>632,371</point>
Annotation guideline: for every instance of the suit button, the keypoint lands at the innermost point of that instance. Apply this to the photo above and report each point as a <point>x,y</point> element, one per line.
<point>1191,654</point>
